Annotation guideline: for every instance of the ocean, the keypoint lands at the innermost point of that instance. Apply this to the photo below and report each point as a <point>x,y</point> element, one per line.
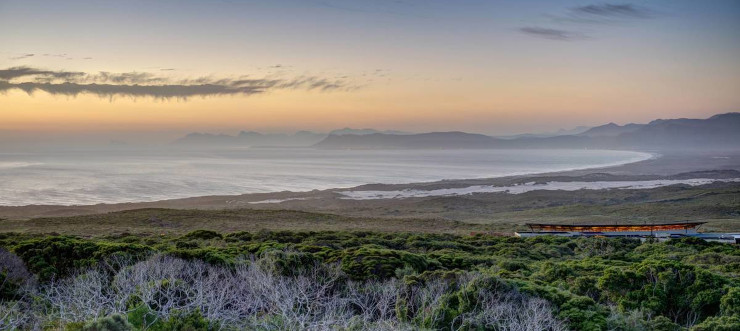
<point>92,177</point>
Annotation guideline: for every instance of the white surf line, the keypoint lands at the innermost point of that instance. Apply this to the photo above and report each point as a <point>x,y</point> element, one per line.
<point>527,187</point>
<point>11,165</point>
<point>276,200</point>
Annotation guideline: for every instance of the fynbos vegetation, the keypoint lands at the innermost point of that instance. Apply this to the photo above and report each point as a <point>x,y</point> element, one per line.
<point>331,280</point>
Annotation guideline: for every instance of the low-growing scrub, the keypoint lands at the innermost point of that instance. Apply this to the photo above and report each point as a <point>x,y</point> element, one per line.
<point>167,293</point>
<point>338,280</point>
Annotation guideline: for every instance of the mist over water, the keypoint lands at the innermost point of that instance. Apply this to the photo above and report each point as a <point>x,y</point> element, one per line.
<point>77,178</point>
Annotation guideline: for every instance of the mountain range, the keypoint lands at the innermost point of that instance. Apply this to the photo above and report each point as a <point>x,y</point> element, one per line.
<point>719,131</point>
<point>257,139</point>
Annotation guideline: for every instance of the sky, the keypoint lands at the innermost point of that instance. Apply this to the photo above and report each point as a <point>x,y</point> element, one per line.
<point>134,69</point>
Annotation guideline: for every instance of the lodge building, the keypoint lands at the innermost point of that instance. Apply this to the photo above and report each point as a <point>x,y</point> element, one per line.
<point>661,231</point>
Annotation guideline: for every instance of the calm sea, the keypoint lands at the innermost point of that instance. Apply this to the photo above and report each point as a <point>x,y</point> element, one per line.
<point>75,178</point>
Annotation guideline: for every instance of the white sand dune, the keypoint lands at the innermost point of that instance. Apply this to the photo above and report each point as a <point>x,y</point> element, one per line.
<point>528,187</point>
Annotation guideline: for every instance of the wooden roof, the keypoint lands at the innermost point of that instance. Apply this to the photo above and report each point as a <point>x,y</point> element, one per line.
<point>613,227</point>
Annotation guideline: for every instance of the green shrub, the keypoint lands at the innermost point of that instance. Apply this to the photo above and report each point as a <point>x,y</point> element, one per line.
<point>719,323</point>
<point>142,318</point>
<point>110,323</point>
<point>586,286</point>
<point>13,275</point>
<point>365,263</point>
<point>58,256</point>
<point>653,285</point>
<point>512,265</point>
<point>730,302</point>
<point>203,235</point>
<point>664,287</point>
<point>210,255</point>
<point>186,244</point>
<point>418,279</point>
<point>239,236</point>
<point>288,263</point>
<point>452,259</point>
<point>185,322</point>
<point>662,323</point>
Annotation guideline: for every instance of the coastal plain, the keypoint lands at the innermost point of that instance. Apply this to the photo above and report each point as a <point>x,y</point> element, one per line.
<point>717,203</point>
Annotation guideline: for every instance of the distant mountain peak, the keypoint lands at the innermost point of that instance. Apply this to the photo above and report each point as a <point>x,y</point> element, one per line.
<point>611,130</point>
<point>726,115</point>
<point>362,132</point>
<point>720,131</point>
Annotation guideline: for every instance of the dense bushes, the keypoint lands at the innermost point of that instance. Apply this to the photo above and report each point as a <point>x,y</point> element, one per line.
<point>366,263</point>
<point>58,256</point>
<point>110,323</point>
<point>165,293</point>
<point>681,292</point>
<point>393,280</point>
<point>13,275</point>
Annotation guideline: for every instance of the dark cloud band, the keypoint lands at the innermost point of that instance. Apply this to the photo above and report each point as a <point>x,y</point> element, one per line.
<point>553,34</point>
<point>19,72</point>
<point>613,11</point>
<point>138,84</point>
<point>24,56</point>
<point>605,13</point>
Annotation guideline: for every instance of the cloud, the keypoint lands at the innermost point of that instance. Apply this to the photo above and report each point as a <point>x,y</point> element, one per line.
<point>605,13</point>
<point>613,11</point>
<point>142,84</point>
<point>110,90</point>
<point>22,56</point>
<point>128,78</point>
<point>18,72</point>
<point>552,34</point>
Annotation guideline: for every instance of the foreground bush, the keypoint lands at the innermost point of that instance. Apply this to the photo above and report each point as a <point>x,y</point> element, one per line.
<point>110,323</point>
<point>296,280</point>
<point>13,276</point>
<point>166,293</point>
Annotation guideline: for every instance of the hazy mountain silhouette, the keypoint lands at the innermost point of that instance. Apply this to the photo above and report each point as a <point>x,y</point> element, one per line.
<point>561,132</point>
<point>362,132</point>
<point>253,138</point>
<point>719,131</point>
<point>441,140</point>
<point>197,138</point>
<point>611,130</point>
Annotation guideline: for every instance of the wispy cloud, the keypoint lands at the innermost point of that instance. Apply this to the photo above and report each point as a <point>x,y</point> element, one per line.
<point>24,56</point>
<point>552,34</point>
<point>142,84</point>
<point>48,55</point>
<point>613,11</point>
<point>604,13</point>
<point>18,72</point>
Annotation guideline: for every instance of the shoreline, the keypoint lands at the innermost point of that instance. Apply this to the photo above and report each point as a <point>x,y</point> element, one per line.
<point>640,157</point>
<point>658,165</point>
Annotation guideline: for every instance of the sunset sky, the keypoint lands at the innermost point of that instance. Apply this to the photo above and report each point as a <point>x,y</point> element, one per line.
<point>163,68</point>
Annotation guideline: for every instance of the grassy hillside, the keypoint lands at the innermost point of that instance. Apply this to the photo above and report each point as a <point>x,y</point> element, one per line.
<point>718,204</point>
<point>174,221</point>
